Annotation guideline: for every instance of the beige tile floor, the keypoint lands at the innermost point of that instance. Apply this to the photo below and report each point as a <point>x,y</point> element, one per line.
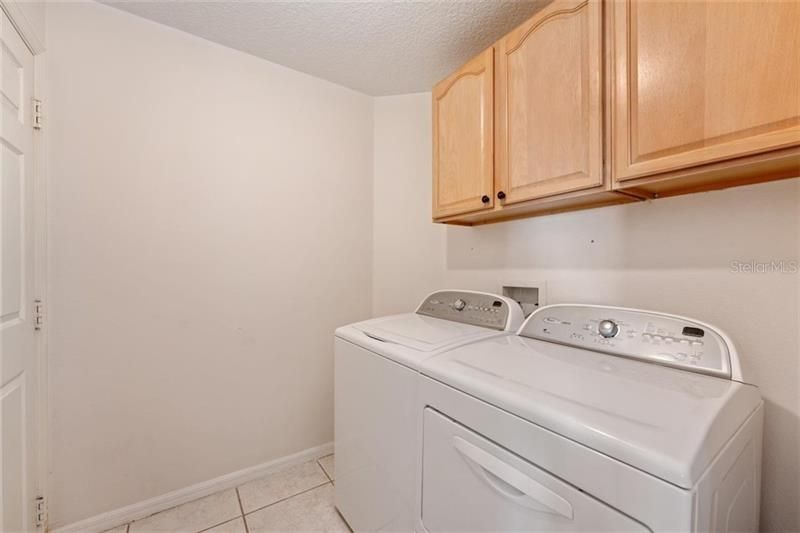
<point>299,498</point>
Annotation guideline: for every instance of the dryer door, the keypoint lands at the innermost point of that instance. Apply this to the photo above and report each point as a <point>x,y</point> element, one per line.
<point>471,484</point>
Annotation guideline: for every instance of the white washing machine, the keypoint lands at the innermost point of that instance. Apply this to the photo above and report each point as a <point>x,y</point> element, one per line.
<point>377,422</point>
<point>592,419</point>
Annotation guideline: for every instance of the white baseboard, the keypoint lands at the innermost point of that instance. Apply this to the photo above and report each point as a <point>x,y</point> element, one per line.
<point>136,511</point>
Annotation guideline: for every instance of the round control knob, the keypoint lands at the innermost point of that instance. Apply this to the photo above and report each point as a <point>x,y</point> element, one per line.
<point>459,305</point>
<point>608,328</point>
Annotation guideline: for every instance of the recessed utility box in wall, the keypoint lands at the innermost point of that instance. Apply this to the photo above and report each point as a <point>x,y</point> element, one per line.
<point>530,296</point>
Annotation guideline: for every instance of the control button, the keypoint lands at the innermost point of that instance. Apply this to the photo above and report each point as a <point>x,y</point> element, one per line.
<point>684,341</point>
<point>697,343</point>
<point>693,332</point>
<point>552,320</point>
<point>459,305</point>
<point>607,328</point>
<point>668,340</point>
<point>680,356</point>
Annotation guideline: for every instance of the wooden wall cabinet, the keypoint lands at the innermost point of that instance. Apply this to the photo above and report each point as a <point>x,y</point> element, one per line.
<point>599,103</point>
<point>706,94</point>
<point>550,103</point>
<point>463,139</point>
<point>548,110</point>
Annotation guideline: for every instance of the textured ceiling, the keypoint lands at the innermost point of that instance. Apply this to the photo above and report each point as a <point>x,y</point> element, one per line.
<point>377,47</point>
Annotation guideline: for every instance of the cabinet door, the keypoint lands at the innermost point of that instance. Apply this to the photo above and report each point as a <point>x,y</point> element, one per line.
<point>701,82</point>
<point>549,103</point>
<point>463,139</point>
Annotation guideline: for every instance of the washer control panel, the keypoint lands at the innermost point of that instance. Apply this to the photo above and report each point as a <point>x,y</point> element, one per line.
<point>648,336</point>
<point>478,309</point>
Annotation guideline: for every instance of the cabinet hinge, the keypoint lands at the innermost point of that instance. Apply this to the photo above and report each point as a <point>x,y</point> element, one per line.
<point>38,314</point>
<point>37,114</point>
<point>40,508</point>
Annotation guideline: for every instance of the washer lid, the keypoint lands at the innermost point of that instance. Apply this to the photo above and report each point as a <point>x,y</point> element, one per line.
<point>420,332</point>
<point>667,422</point>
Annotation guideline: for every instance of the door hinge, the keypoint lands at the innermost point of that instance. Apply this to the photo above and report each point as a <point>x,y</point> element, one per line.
<point>37,114</point>
<point>38,314</point>
<point>40,508</point>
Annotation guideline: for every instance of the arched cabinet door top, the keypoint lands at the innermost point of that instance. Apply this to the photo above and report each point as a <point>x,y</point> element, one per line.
<point>561,9</point>
<point>447,84</point>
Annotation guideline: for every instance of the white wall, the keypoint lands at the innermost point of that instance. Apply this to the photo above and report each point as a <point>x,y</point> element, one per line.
<point>211,225</point>
<point>671,255</point>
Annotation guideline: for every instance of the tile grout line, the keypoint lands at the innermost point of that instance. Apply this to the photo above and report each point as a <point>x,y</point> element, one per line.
<point>350,529</point>
<point>217,525</point>
<point>241,509</point>
<point>323,470</point>
<point>241,513</point>
<point>288,498</point>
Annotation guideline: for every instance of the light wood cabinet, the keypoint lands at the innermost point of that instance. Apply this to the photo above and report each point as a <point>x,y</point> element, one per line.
<point>598,103</point>
<point>548,124</point>
<point>463,139</point>
<point>704,83</point>
<point>549,103</point>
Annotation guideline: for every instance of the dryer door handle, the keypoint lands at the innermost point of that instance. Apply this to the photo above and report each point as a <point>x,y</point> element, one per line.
<point>501,476</point>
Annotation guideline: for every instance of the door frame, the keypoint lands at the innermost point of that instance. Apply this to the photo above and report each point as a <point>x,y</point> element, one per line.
<point>35,44</point>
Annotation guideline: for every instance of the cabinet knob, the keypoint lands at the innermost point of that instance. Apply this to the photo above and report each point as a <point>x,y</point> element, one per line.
<point>501,195</point>
<point>485,199</point>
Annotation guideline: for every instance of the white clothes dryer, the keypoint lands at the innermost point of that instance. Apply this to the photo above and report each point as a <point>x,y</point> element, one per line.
<point>592,419</point>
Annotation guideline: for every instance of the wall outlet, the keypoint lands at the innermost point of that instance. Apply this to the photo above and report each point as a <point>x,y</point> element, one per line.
<point>529,295</point>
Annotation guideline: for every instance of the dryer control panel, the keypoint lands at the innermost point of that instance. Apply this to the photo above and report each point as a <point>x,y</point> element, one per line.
<point>476,308</point>
<point>653,337</point>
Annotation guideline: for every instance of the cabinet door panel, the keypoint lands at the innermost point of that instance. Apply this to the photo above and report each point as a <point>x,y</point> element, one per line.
<point>700,82</point>
<point>463,143</point>
<point>550,103</point>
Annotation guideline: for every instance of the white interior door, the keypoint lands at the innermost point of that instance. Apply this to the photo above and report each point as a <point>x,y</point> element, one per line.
<point>18,351</point>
